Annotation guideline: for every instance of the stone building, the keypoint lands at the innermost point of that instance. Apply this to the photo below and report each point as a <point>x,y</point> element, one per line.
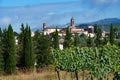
<point>49,30</point>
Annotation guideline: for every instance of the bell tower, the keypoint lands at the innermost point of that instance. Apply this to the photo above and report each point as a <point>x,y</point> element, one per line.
<point>44,26</point>
<point>72,22</point>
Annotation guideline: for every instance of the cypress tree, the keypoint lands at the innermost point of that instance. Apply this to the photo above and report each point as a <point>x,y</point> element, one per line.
<point>68,40</point>
<point>32,57</point>
<point>95,28</point>
<point>1,55</point>
<point>98,36</point>
<point>56,40</point>
<point>21,46</point>
<point>90,42</point>
<point>10,55</point>
<point>83,40</point>
<point>27,59</point>
<point>27,49</point>
<point>76,40</point>
<point>4,46</point>
<point>111,34</point>
<point>42,49</point>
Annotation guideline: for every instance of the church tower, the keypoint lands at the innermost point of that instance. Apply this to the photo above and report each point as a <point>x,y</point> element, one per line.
<point>44,26</point>
<point>72,22</point>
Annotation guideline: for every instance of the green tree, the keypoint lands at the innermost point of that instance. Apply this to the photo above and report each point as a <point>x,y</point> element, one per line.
<point>98,36</point>
<point>68,39</point>
<point>76,40</point>
<point>95,28</point>
<point>83,40</point>
<point>111,34</point>
<point>21,41</point>
<point>42,47</point>
<point>1,55</point>
<point>90,42</point>
<point>55,39</point>
<point>27,55</point>
<point>28,50</point>
<point>10,52</point>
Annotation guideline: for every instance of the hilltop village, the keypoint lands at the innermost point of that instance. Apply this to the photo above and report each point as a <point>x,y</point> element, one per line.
<point>89,31</point>
<point>49,30</point>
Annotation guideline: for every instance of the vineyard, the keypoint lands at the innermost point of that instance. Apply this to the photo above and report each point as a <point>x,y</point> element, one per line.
<point>98,61</point>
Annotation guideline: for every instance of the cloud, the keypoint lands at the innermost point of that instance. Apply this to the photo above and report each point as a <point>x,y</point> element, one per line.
<point>55,13</point>
<point>5,20</point>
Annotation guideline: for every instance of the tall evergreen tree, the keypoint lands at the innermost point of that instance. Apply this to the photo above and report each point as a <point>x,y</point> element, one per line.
<point>95,28</point>
<point>56,40</point>
<point>76,40</point>
<point>10,52</point>
<point>27,49</point>
<point>1,55</point>
<point>68,39</point>
<point>21,40</point>
<point>111,34</point>
<point>83,40</point>
<point>4,46</point>
<point>90,42</point>
<point>27,55</point>
<point>42,49</point>
<point>98,36</point>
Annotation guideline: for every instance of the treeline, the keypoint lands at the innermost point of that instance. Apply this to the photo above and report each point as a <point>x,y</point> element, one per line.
<point>99,39</point>
<point>23,51</point>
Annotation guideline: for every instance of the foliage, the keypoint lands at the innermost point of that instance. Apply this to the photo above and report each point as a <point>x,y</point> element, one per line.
<point>42,49</point>
<point>99,61</point>
<point>98,36</point>
<point>1,55</point>
<point>10,54</point>
<point>68,39</point>
<point>55,40</point>
<point>27,55</point>
<point>112,34</point>
<point>90,42</point>
<point>76,40</point>
<point>82,40</point>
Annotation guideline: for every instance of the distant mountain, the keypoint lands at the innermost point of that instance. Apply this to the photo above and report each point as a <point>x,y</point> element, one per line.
<point>104,23</point>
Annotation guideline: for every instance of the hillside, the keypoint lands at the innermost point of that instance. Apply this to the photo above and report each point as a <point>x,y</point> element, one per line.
<point>103,23</point>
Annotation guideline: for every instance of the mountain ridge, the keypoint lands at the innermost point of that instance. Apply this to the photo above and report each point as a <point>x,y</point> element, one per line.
<point>104,23</point>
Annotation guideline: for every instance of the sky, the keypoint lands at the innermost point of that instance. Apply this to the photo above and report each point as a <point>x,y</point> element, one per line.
<point>55,12</point>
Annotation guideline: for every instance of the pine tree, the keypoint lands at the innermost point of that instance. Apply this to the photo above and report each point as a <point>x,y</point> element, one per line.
<point>10,55</point>
<point>111,34</point>
<point>68,40</point>
<point>56,40</point>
